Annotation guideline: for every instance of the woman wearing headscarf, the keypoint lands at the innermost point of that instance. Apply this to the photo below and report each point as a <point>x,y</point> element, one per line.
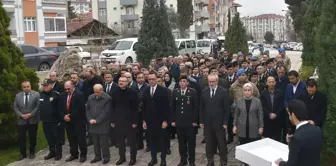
<point>248,117</point>
<point>169,81</point>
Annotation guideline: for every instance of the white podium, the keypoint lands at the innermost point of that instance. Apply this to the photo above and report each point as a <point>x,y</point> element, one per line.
<point>262,152</point>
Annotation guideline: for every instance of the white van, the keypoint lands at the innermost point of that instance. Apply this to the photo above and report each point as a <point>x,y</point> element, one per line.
<point>122,51</point>
<point>186,46</point>
<point>204,46</point>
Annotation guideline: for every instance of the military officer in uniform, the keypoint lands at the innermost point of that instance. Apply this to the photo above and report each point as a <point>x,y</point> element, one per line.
<point>184,108</point>
<point>50,118</point>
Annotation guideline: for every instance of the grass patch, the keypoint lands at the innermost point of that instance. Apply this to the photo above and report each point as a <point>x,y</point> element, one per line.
<point>306,72</point>
<point>11,154</point>
<point>327,159</point>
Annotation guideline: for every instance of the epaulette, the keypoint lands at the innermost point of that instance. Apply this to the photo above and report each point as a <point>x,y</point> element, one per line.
<point>191,88</point>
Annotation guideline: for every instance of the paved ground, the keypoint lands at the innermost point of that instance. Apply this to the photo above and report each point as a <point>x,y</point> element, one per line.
<point>143,158</point>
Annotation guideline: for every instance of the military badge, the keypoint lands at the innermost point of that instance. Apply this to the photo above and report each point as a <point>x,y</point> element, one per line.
<point>188,102</point>
<point>51,99</point>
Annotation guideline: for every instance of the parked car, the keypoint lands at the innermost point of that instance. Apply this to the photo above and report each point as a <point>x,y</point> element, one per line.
<point>37,58</point>
<point>122,51</point>
<point>85,56</point>
<point>57,50</point>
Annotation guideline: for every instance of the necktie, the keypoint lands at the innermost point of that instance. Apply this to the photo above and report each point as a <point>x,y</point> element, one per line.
<point>26,100</point>
<point>68,103</point>
<point>108,88</point>
<point>213,93</point>
<point>152,93</point>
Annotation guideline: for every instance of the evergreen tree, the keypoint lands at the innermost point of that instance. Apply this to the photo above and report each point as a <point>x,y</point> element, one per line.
<point>173,18</point>
<point>236,37</point>
<point>325,49</point>
<point>310,25</point>
<point>185,13</point>
<point>165,37</point>
<point>149,46</point>
<point>269,37</point>
<point>71,11</point>
<point>12,73</point>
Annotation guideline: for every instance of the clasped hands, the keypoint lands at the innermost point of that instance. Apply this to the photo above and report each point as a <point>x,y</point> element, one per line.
<point>67,118</point>
<point>133,125</point>
<point>235,130</point>
<point>163,126</point>
<point>26,116</point>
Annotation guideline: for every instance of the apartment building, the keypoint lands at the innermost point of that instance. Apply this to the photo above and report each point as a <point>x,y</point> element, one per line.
<point>81,6</point>
<point>259,25</point>
<point>37,22</point>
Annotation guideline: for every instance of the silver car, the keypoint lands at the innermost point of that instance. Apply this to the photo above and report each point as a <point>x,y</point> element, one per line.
<point>37,58</point>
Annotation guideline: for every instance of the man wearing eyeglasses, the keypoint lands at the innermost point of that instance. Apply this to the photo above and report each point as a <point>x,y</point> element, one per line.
<point>26,106</point>
<point>72,110</point>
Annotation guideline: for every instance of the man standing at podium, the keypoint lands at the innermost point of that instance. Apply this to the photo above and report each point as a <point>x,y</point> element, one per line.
<point>306,144</point>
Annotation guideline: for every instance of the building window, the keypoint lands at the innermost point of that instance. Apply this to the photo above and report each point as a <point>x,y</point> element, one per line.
<point>30,24</point>
<point>129,10</point>
<point>102,12</point>
<point>56,24</point>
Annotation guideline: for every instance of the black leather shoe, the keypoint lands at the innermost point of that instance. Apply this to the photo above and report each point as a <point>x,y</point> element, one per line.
<point>21,157</point>
<point>32,155</point>
<point>106,161</point>
<point>120,161</point>
<point>210,164</point>
<point>183,163</point>
<point>49,156</point>
<point>82,159</point>
<point>71,158</point>
<point>168,151</point>
<point>152,163</point>
<point>95,160</point>
<point>132,162</point>
<point>58,157</point>
<point>163,163</point>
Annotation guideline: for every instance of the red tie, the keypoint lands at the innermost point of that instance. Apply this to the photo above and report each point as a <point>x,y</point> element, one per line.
<point>68,103</point>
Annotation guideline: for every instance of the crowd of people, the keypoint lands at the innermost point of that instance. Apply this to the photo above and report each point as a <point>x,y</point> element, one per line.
<point>145,107</point>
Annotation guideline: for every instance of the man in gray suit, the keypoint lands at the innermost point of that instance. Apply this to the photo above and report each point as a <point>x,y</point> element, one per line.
<point>214,117</point>
<point>97,109</point>
<point>26,107</point>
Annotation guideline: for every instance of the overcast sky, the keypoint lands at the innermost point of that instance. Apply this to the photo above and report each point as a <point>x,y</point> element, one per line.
<point>256,7</point>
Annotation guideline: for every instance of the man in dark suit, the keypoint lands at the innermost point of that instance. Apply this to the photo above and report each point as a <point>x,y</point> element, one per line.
<point>272,101</point>
<point>316,103</point>
<point>214,117</point>
<point>156,117</point>
<point>124,119</point>
<point>76,81</point>
<point>184,109</point>
<point>26,107</point>
<point>305,145</point>
<point>72,109</point>
<point>295,87</point>
<point>140,88</point>
<point>97,109</point>
<point>109,88</point>
<point>89,82</point>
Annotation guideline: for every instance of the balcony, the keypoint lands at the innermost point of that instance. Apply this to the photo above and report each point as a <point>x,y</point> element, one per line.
<point>202,28</point>
<point>201,14</point>
<point>128,2</point>
<point>205,2</point>
<point>129,17</point>
<point>54,1</point>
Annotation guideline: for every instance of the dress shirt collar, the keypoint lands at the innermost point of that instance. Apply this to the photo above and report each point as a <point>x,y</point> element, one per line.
<point>153,88</point>
<point>301,124</point>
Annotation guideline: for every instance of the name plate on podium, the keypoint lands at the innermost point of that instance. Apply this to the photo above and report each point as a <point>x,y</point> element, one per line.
<point>262,152</point>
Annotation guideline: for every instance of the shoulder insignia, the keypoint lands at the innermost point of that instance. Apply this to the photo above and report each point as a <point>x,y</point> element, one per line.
<point>56,92</point>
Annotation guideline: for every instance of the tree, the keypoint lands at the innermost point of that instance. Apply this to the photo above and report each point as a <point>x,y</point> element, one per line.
<point>310,25</point>
<point>325,48</point>
<point>149,32</point>
<point>269,37</point>
<point>165,38</point>
<point>71,11</point>
<point>297,8</point>
<point>12,73</point>
<point>185,15</point>
<point>235,37</point>
<point>173,18</point>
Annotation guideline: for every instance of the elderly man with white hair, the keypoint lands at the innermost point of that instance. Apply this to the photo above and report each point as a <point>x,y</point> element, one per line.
<point>97,110</point>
